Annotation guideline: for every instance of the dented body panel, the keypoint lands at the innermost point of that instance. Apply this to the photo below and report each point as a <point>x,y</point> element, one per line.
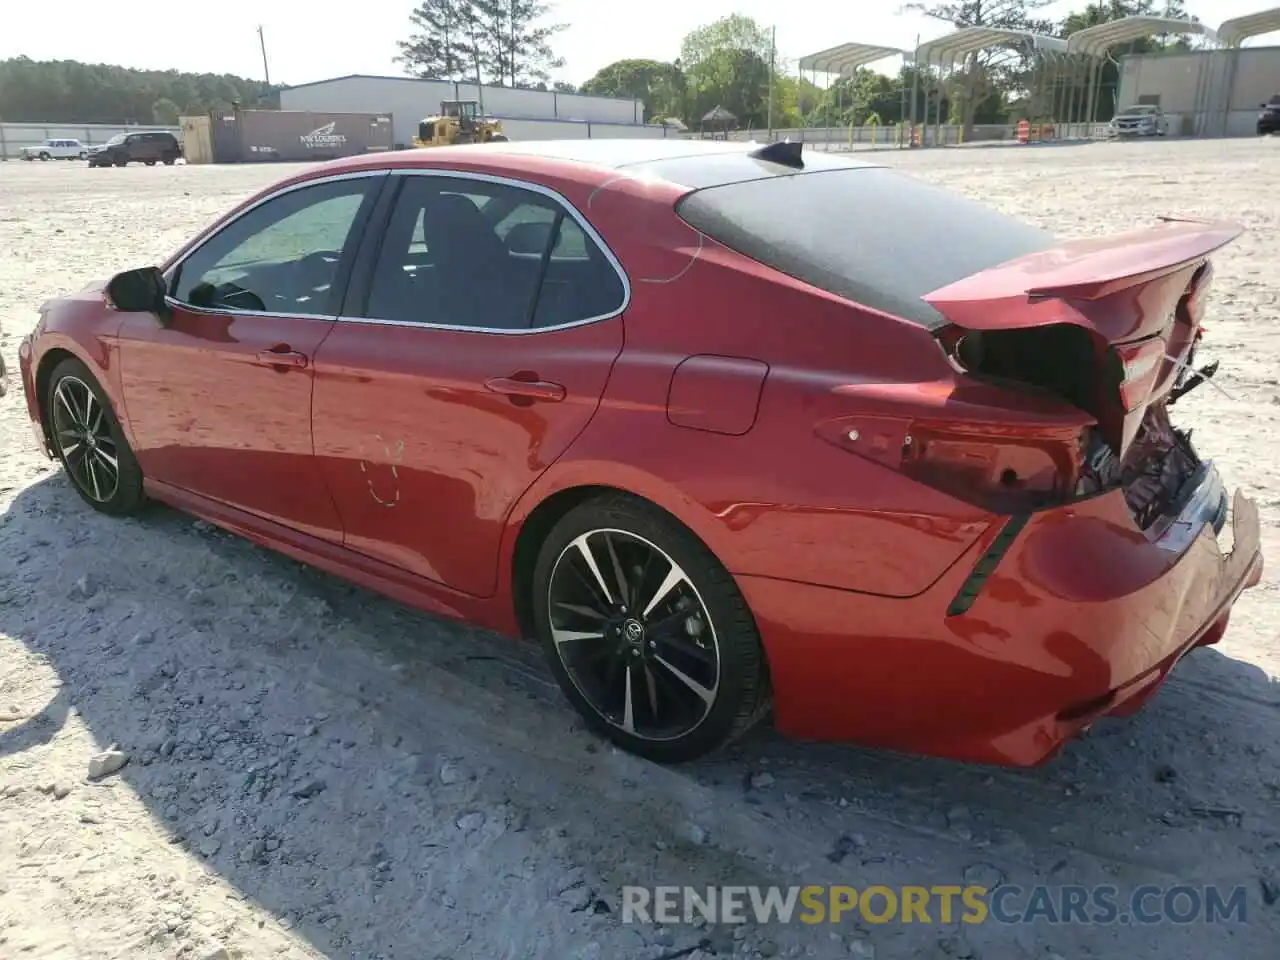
<point>423,459</point>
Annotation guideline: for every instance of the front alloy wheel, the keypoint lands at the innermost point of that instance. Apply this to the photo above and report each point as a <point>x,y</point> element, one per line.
<point>90,454</point>
<point>647,633</point>
<point>88,440</point>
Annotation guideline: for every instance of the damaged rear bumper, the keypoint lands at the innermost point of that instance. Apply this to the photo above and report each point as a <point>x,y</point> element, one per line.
<point>1083,616</point>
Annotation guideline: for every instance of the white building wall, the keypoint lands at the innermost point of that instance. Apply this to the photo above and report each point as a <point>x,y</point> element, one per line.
<point>409,100</point>
<point>522,129</point>
<point>1226,85</point>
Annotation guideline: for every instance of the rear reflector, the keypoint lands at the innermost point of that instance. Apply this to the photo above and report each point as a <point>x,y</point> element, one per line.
<point>986,566</point>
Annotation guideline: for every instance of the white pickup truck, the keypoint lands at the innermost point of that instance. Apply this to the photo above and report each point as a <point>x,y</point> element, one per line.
<point>55,150</point>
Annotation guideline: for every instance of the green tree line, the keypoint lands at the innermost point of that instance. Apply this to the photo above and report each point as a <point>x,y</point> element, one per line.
<point>66,91</point>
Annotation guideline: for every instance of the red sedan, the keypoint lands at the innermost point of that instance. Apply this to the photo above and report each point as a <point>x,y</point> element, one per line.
<point>726,427</point>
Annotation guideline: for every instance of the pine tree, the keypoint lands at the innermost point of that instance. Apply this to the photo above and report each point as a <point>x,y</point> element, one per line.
<point>510,40</point>
<point>531,35</point>
<point>442,44</point>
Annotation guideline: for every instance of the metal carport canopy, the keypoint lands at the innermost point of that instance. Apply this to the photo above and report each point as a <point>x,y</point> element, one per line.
<point>1095,41</point>
<point>955,46</point>
<point>847,57</point>
<point>1232,33</point>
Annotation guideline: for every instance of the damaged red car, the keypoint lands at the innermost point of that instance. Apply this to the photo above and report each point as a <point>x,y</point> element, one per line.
<point>728,428</point>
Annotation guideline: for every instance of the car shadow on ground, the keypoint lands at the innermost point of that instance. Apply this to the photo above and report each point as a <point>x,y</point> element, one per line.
<point>253,694</point>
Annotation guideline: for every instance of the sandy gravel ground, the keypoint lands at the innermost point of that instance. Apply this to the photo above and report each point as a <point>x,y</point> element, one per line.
<point>314,771</point>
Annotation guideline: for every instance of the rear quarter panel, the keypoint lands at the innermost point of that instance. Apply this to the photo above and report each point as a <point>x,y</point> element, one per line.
<point>777,500</point>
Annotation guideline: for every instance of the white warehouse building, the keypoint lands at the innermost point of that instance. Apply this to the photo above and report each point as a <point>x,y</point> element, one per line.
<point>525,114</point>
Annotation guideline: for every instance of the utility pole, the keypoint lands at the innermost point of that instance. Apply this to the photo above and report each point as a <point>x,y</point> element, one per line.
<point>262,43</point>
<point>475,53</point>
<point>773,56</point>
<point>915,95</point>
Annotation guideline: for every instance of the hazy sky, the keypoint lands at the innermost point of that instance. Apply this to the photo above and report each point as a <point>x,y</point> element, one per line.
<point>309,40</point>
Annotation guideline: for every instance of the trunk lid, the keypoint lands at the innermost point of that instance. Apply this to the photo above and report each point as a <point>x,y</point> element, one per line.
<point>1107,323</point>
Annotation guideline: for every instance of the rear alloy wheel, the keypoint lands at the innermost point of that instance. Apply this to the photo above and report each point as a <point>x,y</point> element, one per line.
<point>646,632</point>
<point>44,156</point>
<point>89,442</point>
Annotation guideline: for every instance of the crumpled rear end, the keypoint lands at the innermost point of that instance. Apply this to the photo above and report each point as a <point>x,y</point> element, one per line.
<point>1082,616</point>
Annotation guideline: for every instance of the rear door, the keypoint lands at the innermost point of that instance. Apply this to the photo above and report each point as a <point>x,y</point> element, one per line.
<point>219,398</point>
<point>474,345</point>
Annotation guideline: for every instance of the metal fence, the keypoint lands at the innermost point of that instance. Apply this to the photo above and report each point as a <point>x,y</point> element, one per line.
<point>15,136</point>
<point>899,135</point>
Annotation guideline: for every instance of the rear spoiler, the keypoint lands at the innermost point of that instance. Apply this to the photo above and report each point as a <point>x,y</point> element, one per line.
<point>1081,270</point>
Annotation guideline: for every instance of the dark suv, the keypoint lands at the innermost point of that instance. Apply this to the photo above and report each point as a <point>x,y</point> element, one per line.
<point>126,148</point>
<point>1269,118</point>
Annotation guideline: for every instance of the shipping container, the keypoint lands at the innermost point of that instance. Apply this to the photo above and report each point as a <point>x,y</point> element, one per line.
<point>197,139</point>
<point>255,136</point>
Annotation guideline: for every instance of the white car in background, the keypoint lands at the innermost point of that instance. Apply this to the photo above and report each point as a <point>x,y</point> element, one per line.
<point>55,150</point>
<point>1140,120</point>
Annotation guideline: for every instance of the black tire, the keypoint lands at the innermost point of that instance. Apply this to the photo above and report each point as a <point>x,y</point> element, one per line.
<point>44,156</point>
<point>739,696</point>
<point>122,163</point>
<point>62,406</point>
<point>149,163</point>
<point>84,155</point>
<point>170,161</point>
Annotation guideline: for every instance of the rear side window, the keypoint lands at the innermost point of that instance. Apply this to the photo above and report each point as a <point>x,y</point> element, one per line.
<point>870,235</point>
<point>477,255</point>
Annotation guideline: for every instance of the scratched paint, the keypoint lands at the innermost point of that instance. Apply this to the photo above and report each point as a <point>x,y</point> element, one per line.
<point>393,456</point>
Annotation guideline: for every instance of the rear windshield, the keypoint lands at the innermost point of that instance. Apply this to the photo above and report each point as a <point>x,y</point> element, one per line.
<point>871,235</point>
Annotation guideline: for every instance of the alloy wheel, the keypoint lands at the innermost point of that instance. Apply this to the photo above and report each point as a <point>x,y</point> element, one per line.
<point>82,431</point>
<point>633,635</point>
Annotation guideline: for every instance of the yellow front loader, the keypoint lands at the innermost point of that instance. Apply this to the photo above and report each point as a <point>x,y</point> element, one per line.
<point>459,121</point>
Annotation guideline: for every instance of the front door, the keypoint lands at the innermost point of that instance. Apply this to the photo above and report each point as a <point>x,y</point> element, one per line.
<point>219,398</point>
<point>465,362</point>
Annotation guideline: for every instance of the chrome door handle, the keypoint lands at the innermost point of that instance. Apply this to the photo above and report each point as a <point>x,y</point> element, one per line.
<point>527,389</point>
<point>282,358</point>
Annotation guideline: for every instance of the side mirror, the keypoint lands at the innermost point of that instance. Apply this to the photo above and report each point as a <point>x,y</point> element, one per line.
<point>139,291</point>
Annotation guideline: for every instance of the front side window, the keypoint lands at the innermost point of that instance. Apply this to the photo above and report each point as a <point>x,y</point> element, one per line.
<point>466,253</point>
<point>280,257</point>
